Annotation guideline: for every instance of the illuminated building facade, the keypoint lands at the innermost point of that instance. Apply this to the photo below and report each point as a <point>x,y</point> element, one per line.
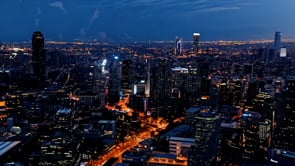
<point>207,130</point>
<point>64,119</point>
<point>178,46</point>
<point>39,58</point>
<point>3,113</point>
<point>284,131</point>
<point>185,83</point>
<point>180,146</point>
<point>178,79</point>
<point>60,148</point>
<point>250,141</point>
<point>148,80</point>
<point>161,159</point>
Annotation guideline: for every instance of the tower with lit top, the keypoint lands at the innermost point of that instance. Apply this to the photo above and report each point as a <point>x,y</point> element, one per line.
<point>196,39</point>
<point>39,58</point>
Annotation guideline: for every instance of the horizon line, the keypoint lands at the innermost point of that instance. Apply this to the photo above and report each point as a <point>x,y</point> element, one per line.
<point>149,41</point>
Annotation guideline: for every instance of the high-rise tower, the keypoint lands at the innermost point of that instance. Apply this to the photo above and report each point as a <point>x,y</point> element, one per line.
<point>196,39</point>
<point>114,84</point>
<point>277,42</point>
<point>207,130</point>
<point>178,46</point>
<point>126,81</point>
<point>39,57</point>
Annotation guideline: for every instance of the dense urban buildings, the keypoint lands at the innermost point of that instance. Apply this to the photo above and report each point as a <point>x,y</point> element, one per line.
<point>147,103</point>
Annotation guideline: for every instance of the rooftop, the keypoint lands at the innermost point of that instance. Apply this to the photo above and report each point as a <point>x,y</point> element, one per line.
<point>195,109</point>
<point>164,155</point>
<point>182,139</point>
<point>178,131</point>
<point>6,146</point>
<point>64,111</point>
<point>106,121</point>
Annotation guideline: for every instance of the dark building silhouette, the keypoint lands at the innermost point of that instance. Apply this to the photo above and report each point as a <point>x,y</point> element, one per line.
<point>196,39</point>
<point>5,79</point>
<point>39,58</point>
<point>114,83</point>
<point>205,81</point>
<point>160,83</point>
<point>126,81</point>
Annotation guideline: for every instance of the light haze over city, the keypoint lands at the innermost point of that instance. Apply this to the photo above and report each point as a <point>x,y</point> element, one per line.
<point>143,20</point>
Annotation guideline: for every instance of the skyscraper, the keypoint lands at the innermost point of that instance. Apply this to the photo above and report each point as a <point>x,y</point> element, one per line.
<point>196,39</point>
<point>207,129</point>
<point>126,81</point>
<point>178,46</point>
<point>277,42</point>
<point>39,58</point>
<point>114,83</point>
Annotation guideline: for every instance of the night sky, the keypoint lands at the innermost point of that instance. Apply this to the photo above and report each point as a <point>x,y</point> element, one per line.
<point>143,20</point>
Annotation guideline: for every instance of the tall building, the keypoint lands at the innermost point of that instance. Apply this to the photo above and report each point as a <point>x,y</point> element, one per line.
<point>277,42</point>
<point>205,81</point>
<point>126,81</point>
<point>148,80</point>
<point>207,130</point>
<point>5,80</point>
<point>160,83</point>
<point>284,130</point>
<point>196,39</point>
<point>39,58</point>
<point>178,46</point>
<point>114,85</point>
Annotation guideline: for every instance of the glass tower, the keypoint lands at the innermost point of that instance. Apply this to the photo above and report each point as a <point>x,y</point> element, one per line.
<point>277,42</point>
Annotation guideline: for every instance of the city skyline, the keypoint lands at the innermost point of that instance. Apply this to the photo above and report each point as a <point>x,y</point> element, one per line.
<point>142,20</point>
<point>79,103</point>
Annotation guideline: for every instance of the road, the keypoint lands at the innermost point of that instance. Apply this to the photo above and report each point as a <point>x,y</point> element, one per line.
<point>120,148</point>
